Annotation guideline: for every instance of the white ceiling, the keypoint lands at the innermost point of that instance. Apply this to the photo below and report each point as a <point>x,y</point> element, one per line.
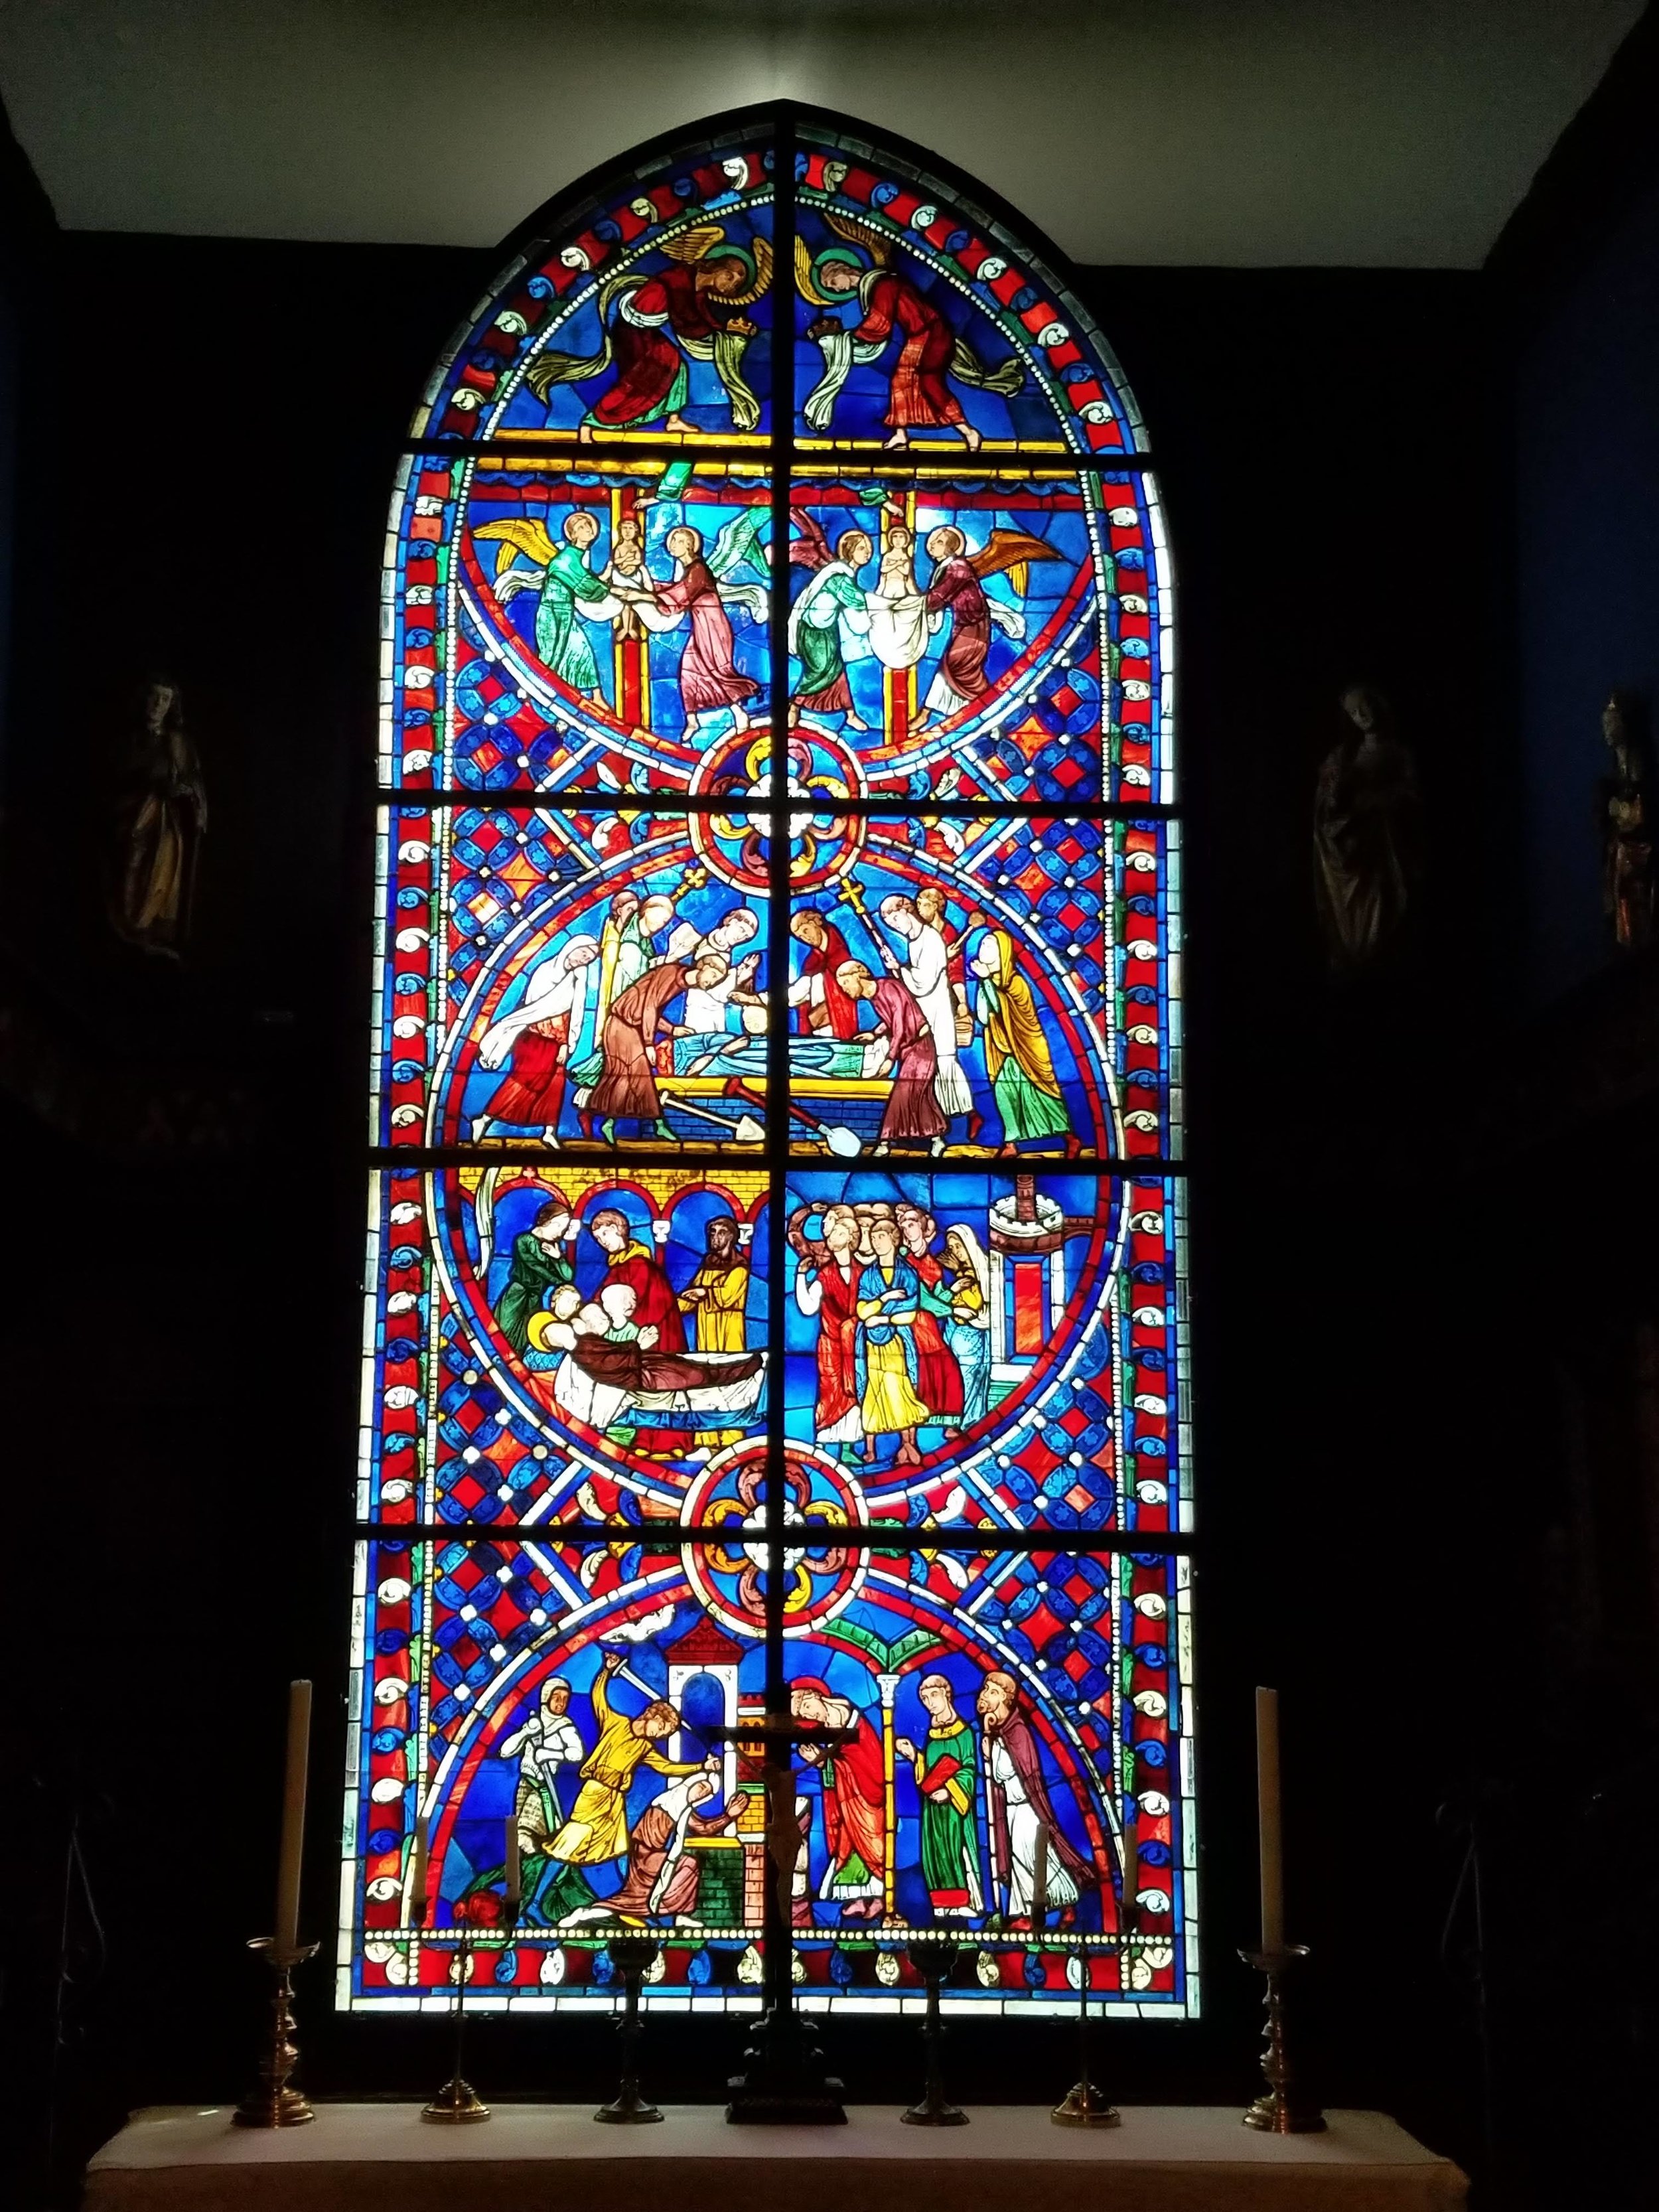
<point>1238,132</point>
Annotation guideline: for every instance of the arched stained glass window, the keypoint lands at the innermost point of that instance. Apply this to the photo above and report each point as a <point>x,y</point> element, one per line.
<point>775,1298</point>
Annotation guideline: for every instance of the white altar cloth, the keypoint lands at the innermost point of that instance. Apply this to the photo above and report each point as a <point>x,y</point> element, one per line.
<point>552,2158</point>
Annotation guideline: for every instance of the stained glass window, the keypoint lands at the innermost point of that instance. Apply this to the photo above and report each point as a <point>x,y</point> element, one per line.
<point>776,1297</point>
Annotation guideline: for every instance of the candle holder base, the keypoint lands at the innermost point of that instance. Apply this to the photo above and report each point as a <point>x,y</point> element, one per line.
<point>457,2104</point>
<point>630,2109</point>
<point>1285,2109</point>
<point>935,1960</point>
<point>633,1957</point>
<point>934,2112</point>
<point>1083,2106</point>
<point>1086,2105</point>
<point>274,2104</point>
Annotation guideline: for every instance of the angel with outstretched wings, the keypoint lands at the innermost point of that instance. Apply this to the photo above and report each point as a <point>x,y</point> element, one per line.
<point>931,357</point>
<point>833,597</point>
<point>652,323</point>
<point>568,588</point>
<point>957,587</point>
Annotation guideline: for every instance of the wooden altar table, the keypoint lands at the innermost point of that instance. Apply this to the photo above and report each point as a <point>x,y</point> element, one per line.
<point>552,2158</point>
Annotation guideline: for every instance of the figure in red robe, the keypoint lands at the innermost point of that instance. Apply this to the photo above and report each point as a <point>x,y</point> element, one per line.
<point>655,1304</point>
<point>710,679</point>
<point>651,322</point>
<point>933,355</point>
<point>816,989</point>
<point>956,589</point>
<point>827,1285</point>
<point>855,1799</point>
<point>912,1109</point>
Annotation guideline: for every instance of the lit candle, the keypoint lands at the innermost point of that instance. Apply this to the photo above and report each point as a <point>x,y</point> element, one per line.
<point>294,1817</point>
<point>514,1875</point>
<point>1269,1829</point>
<point>417,1875</point>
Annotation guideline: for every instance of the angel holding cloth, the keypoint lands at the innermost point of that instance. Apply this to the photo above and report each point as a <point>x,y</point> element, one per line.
<point>566,587</point>
<point>702,587</point>
<point>832,598</point>
<point>957,587</point>
<point>655,323</point>
<point>932,356</point>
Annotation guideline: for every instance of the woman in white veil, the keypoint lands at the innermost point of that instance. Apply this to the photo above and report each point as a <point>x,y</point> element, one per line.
<point>968,1331</point>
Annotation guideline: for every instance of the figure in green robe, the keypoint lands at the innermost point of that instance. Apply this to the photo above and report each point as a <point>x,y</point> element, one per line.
<point>539,1265</point>
<point>944,1768</point>
<point>834,596</point>
<point>561,636</point>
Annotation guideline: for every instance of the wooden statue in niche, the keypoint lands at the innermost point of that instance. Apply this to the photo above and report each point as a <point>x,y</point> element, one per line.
<point>1627,883</point>
<point>160,818</point>
<point>1367,833</point>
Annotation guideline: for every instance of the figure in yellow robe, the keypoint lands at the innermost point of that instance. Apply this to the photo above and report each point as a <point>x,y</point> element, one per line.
<point>598,1827</point>
<point>717,1295</point>
<point>1017,1056</point>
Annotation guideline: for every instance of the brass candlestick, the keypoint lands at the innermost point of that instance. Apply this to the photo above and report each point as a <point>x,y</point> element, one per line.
<point>933,1959</point>
<point>633,1956</point>
<point>274,2104</point>
<point>457,2104</point>
<point>1085,2104</point>
<point>1284,2110</point>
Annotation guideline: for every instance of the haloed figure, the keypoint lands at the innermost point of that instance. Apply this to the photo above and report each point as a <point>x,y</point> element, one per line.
<point>944,1767</point>
<point>710,680</point>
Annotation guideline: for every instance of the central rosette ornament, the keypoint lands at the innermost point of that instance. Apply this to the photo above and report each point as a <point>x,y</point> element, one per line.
<point>736,844</point>
<point>821,1572</point>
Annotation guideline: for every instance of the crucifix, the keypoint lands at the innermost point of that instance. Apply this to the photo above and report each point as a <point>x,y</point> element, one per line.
<point>784,2081</point>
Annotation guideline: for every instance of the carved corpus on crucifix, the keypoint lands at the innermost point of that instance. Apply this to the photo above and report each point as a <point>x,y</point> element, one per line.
<point>784,2081</point>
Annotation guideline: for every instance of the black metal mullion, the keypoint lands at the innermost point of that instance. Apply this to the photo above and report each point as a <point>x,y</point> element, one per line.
<point>778,1950</point>
<point>671,1535</point>
<point>574,799</point>
<point>601,459</point>
<point>433,1159</point>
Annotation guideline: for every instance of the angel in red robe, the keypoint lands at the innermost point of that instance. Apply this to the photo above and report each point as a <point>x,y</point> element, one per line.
<point>855,1799</point>
<point>931,354</point>
<point>710,679</point>
<point>957,587</point>
<point>652,323</point>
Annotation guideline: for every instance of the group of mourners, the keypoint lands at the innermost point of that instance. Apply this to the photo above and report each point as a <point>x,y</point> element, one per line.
<point>904,1322</point>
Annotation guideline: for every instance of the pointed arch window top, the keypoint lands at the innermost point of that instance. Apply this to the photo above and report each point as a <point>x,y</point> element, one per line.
<point>655,308</point>
<point>776,1257</point>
